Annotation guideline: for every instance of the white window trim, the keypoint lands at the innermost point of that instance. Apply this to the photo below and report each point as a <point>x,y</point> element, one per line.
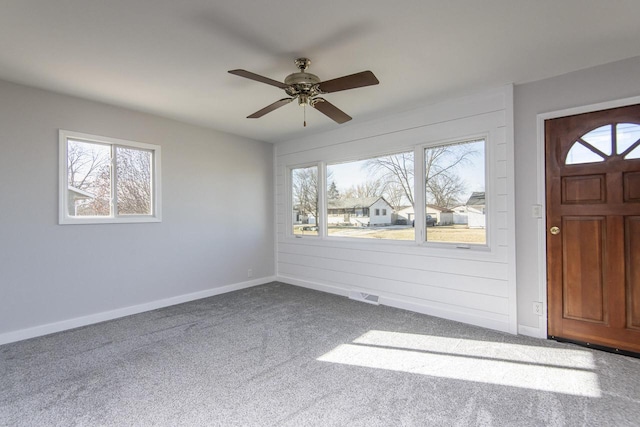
<point>419,195</point>
<point>156,196</point>
<point>289,187</point>
<point>420,191</point>
<point>323,195</point>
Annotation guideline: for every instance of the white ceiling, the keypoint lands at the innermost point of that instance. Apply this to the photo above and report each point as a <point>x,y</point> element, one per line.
<point>171,57</point>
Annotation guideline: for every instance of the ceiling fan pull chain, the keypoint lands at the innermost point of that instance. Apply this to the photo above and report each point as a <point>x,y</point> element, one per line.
<point>304,109</point>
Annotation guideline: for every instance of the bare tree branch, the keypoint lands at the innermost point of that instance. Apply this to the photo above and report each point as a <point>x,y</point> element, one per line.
<point>396,169</point>
<point>443,184</point>
<point>89,169</point>
<point>369,188</point>
<point>305,190</point>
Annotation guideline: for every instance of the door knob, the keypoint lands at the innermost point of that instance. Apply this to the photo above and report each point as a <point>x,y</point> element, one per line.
<point>554,230</point>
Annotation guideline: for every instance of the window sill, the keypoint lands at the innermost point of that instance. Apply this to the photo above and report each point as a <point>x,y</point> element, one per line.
<point>120,220</point>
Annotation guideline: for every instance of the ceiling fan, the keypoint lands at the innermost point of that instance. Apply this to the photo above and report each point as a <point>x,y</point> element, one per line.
<point>306,88</point>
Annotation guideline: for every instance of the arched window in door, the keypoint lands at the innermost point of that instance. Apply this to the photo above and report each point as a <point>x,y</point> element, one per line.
<point>597,145</point>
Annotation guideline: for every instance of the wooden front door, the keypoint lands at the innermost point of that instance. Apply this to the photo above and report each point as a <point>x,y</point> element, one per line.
<point>593,227</point>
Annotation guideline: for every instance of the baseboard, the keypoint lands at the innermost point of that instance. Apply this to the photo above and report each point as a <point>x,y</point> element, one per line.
<point>77,322</point>
<point>456,316</point>
<point>404,304</point>
<point>331,289</point>
<point>531,332</point>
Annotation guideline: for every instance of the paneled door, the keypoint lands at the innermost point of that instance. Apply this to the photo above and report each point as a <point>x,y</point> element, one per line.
<point>593,228</point>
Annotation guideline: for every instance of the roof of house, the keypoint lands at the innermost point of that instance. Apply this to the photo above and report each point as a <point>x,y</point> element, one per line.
<point>81,194</point>
<point>476,199</point>
<point>432,207</point>
<point>438,208</point>
<point>354,202</point>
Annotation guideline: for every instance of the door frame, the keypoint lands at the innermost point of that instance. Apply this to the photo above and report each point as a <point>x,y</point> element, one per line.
<point>541,193</point>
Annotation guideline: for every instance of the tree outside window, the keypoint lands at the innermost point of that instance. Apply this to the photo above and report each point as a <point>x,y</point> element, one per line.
<point>304,192</point>
<point>108,180</point>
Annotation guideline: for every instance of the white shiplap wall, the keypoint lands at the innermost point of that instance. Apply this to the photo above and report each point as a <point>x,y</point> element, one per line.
<point>475,286</point>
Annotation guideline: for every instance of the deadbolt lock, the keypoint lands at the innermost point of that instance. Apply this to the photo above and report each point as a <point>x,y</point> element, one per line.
<point>554,230</point>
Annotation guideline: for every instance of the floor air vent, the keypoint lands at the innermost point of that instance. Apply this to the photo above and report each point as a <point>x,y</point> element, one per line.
<point>364,297</point>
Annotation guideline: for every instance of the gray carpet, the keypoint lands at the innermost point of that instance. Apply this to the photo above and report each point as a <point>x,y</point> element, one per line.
<point>278,355</point>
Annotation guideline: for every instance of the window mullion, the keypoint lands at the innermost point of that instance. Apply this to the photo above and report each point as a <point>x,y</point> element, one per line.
<point>419,196</point>
<point>114,182</point>
<point>322,200</point>
<point>152,184</point>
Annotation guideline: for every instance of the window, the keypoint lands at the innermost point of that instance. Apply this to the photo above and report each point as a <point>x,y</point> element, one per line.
<point>455,193</point>
<point>106,180</point>
<point>304,195</point>
<point>600,144</point>
<point>358,191</point>
<point>374,198</point>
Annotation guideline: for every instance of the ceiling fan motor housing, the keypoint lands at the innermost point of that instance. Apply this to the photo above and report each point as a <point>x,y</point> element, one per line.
<point>302,83</point>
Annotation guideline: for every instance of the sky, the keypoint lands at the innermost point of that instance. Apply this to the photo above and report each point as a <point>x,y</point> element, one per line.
<point>350,174</point>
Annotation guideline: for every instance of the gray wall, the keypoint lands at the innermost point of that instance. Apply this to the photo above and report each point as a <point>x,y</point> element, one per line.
<point>604,83</point>
<point>218,219</point>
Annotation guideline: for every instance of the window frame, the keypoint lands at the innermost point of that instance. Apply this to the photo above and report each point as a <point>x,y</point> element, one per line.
<point>114,218</point>
<point>320,166</point>
<point>419,195</point>
<point>420,221</point>
<point>366,211</point>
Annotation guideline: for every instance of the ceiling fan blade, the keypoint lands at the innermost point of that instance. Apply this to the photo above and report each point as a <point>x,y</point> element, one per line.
<point>364,78</point>
<point>253,76</point>
<point>331,111</point>
<point>270,108</point>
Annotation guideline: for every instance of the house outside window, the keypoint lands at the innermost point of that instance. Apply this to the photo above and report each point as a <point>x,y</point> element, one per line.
<point>363,196</point>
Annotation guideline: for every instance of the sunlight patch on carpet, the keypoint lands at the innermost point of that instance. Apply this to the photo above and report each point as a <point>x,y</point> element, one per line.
<point>564,371</point>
